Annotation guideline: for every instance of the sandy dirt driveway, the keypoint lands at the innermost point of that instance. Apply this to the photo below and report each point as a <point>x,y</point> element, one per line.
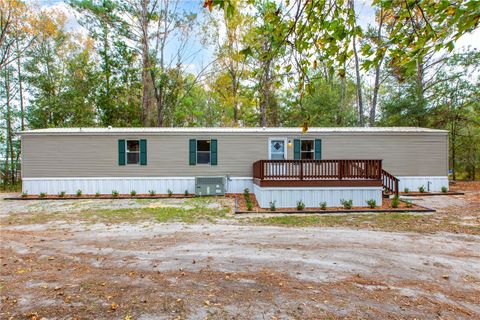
<point>77,270</point>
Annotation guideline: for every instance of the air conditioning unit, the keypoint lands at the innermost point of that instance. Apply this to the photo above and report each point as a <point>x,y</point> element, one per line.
<point>209,186</point>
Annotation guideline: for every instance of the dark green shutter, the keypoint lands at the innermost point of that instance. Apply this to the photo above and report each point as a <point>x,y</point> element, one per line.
<point>296,149</point>
<point>143,152</point>
<point>193,152</point>
<point>213,152</point>
<point>318,149</point>
<point>121,152</point>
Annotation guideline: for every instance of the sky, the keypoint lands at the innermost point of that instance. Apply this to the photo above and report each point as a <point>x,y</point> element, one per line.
<point>201,55</point>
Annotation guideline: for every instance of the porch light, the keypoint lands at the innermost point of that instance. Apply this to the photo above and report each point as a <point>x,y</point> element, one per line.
<point>289,143</point>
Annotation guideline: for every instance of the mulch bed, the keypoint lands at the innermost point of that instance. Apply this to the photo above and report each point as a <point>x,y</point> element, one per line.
<point>426,194</point>
<point>241,207</point>
<point>102,196</point>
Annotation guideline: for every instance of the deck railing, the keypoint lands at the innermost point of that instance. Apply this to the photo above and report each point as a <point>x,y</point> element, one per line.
<point>317,169</point>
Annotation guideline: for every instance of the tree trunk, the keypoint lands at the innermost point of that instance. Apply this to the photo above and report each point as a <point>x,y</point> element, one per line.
<point>20,87</point>
<point>378,68</point>
<point>359,84</point>
<point>146,68</point>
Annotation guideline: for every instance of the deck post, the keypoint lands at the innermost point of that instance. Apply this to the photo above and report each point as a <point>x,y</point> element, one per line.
<point>301,170</point>
<point>340,170</point>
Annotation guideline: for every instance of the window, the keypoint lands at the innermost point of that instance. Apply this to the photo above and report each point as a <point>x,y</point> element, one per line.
<point>133,151</point>
<point>307,150</point>
<point>203,151</point>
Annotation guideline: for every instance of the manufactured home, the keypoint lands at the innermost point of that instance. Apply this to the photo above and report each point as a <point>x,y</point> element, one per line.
<point>276,164</point>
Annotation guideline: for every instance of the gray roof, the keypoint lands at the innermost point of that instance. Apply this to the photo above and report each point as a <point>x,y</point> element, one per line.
<point>99,130</point>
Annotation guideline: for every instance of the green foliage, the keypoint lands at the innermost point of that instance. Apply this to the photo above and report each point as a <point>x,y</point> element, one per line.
<point>186,193</point>
<point>372,203</point>
<point>347,204</point>
<point>78,193</point>
<point>323,205</point>
<point>273,206</point>
<point>152,192</point>
<point>421,189</point>
<point>444,189</point>
<point>248,199</point>
<point>170,193</point>
<point>395,202</point>
<point>42,194</point>
<point>97,194</point>
<point>61,194</point>
<point>133,193</point>
<point>406,190</point>
<point>24,194</point>
<point>300,205</point>
<point>114,193</point>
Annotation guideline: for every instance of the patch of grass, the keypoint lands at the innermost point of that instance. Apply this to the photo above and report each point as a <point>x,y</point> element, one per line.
<point>159,214</point>
<point>388,221</point>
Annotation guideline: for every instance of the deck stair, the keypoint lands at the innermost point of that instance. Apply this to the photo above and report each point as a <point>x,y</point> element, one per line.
<point>389,183</point>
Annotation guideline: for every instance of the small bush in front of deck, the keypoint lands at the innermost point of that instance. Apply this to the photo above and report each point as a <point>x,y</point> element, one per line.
<point>152,192</point>
<point>300,205</point>
<point>186,193</point>
<point>248,200</point>
<point>24,194</point>
<point>372,203</point>
<point>170,193</point>
<point>42,194</point>
<point>246,193</point>
<point>406,190</point>
<point>323,205</point>
<point>273,206</point>
<point>115,193</point>
<point>347,204</point>
<point>133,193</point>
<point>395,202</point>
<point>97,194</point>
<point>444,189</point>
<point>421,189</point>
<point>78,193</point>
<point>61,194</point>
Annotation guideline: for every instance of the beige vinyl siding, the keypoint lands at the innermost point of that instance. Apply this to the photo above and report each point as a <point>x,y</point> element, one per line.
<point>96,155</point>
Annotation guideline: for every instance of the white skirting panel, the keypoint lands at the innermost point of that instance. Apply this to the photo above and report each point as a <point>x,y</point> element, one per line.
<point>311,197</point>
<point>124,185</point>
<point>433,184</point>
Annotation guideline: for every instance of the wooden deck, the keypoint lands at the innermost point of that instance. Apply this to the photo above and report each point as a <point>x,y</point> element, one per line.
<point>323,173</point>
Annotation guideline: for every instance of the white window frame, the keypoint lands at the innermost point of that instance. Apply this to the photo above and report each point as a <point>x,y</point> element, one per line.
<point>127,152</point>
<point>285,147</point>
<point>312,152</point>
<point>210,151</point>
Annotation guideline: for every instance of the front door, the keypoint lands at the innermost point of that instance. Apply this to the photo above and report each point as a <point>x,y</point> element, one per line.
<point>277,149</point>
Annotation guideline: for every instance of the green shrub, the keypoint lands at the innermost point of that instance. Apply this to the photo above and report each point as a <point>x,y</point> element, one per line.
<point>246,192</point>
<point>115,193</point>
<point>78,193</point>
<point>24,194</point>
<point>395,202</point>
<point>444,189</point>
<point>97,194</point>
<point>372,203</point>
<point>186,193</point>
<point>406,190</point>
<point>170,192</point>
<point>323,205</point>
<point>42,194</point>
<point>273,206</point>
<point>300,205</point>
<point>347,204</point>
<point>152,192</point>
<point>133,193</point>
<point>249,206</point>
<point>61,194</point>
<point>421,189</point>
